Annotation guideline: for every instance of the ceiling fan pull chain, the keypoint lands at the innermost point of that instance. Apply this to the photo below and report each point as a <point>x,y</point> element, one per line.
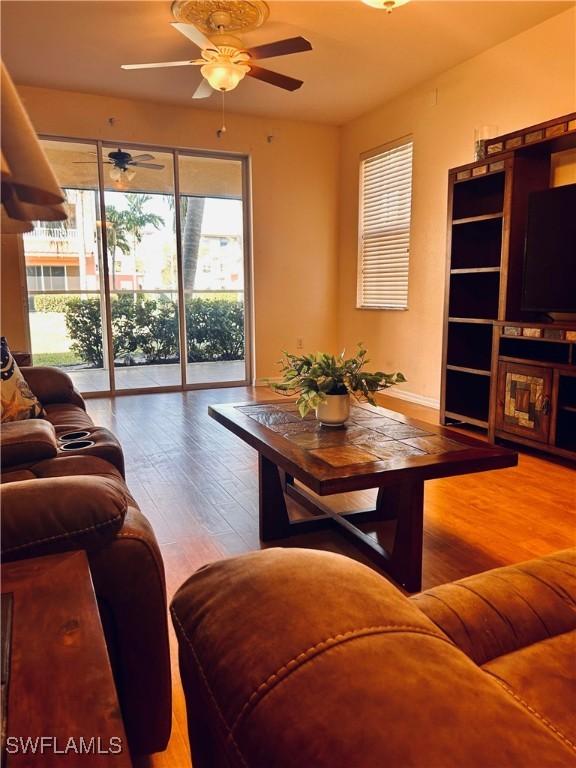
<point>222,129</point>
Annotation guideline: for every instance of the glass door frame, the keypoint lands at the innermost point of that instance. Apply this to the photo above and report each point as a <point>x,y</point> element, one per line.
<point>105,290</point>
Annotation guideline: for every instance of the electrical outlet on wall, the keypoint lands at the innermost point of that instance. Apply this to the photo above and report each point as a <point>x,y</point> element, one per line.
<point>299,342</point>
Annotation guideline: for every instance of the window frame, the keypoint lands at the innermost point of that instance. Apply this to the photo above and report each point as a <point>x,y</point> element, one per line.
<point>380,150</point>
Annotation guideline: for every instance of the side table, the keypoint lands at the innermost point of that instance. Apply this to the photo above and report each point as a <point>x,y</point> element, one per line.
<point>62,708</point>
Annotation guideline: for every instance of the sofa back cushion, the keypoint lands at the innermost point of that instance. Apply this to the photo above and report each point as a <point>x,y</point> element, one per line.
<point>18,400</point>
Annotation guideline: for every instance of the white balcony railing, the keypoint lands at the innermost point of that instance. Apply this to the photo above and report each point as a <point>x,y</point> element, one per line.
<point>60,234</point>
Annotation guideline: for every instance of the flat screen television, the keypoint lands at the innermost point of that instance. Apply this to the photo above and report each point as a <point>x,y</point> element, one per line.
<point>549,278</point>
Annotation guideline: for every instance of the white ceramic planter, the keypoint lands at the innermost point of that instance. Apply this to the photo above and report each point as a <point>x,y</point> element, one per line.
<point>334,410</point>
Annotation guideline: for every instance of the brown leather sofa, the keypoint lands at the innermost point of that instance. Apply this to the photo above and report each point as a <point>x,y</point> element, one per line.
<point>301,658</point>
<point>55,500</point>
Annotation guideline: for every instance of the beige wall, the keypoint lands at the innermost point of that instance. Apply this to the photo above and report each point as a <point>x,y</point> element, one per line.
<point>13,310</point>
<point>295,199</point>
<point>526,80</point>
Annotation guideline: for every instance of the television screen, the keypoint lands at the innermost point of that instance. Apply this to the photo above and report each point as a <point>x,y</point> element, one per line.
<point>549,279</point>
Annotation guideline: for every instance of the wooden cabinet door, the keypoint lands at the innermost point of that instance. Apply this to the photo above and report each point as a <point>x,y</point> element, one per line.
<point>524,400</point>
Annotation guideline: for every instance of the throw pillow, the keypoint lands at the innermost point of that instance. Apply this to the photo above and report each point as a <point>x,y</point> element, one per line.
<point>18,400</point>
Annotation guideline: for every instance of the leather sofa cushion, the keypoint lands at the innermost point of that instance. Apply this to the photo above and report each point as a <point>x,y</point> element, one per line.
<point>506,609</point>
<point>49,515</point>
<point>67,417</point>
<point>542,676</point>
<point>27,441</point>
<point>51,385</point>
<point>63,466</point>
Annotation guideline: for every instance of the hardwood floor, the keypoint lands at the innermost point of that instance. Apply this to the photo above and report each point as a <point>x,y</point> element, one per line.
<point>197,484</point>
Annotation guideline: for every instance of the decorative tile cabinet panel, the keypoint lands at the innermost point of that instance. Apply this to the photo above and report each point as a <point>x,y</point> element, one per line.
<point>524,397</point>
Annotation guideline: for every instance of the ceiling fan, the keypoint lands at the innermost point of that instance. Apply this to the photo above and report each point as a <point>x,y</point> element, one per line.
<point>225,61</point>
<point>123,164</point>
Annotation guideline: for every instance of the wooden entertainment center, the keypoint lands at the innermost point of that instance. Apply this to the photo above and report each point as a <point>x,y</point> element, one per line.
<point>502,370</point>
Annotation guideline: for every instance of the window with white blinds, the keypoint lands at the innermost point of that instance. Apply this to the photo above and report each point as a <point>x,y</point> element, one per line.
<point>384,227</point>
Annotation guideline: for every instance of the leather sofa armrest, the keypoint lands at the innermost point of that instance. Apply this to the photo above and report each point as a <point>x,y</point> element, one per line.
<point>295,657</point>
<point>135,620</point>
<point>506,609</point>
<point>27,441</point>
<point>51,385</point>
<point>56,514</point>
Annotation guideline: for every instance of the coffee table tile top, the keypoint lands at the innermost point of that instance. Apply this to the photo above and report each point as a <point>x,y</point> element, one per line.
<point>344,456</point>
<point>367,437</point>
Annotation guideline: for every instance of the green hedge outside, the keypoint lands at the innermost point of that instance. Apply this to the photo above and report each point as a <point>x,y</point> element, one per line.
<point>50,303</point>
<point>145,329</point>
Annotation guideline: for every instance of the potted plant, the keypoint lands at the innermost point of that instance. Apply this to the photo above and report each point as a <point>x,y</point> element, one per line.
<point>325,382</point>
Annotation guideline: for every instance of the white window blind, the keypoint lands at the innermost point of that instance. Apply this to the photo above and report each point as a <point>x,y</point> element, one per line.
<point>384,227</point>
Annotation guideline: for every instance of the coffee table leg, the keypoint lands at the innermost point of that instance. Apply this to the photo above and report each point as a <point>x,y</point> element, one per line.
<point>274,519</point>
<point>405,501</point>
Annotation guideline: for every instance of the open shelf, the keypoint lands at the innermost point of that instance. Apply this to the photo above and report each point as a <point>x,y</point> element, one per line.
<point>476,219</point>
<point>474,295</point>
<point>474,270</point>
<point>467,395</point>
<point>533,350</point>
<point>469,346</point>
<point>477,197</point>
<point>477,243</point>
<point>566,430</point>
<point>468,419</point>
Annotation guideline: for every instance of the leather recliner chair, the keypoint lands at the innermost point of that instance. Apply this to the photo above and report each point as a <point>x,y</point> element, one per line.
<point>53,501</point>
<point>301,658</point>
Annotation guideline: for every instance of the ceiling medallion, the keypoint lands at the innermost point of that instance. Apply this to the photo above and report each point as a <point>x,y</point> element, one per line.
<point>241,15</point>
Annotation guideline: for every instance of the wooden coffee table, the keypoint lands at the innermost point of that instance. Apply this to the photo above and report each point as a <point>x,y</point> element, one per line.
<point>377,448</point>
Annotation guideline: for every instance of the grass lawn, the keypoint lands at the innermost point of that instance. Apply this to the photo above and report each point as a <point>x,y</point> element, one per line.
<point>50,340</point>
<point>56,358</point>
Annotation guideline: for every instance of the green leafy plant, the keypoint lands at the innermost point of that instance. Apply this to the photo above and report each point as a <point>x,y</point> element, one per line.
<point>50,302</point>
<point>313,377</point>
<point>145,329</point>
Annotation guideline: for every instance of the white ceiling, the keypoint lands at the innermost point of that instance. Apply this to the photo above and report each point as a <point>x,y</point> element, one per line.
<point>362,57</point>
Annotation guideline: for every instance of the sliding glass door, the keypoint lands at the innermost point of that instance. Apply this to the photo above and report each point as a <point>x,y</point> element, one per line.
<point>145,285</point>
<point>143,270</point>
<point>66,296</point>
<point>213,268</point>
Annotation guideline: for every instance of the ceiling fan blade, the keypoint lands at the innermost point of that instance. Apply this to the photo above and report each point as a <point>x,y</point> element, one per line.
<point>157,65</point>
<point>203,91</point>
<point>275,78</point>
<point>84,162</point>
<point>280,48</point>
<point>194,34</point>
<point>154,166</point>
<point>143,158</point>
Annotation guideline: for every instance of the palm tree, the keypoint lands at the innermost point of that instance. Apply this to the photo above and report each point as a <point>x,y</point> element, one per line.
<point>116,236</point>
<point>129,223</point>
<point>192,213</point>
<point>136,218</point>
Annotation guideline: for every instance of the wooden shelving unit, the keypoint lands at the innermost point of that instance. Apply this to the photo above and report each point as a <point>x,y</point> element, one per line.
<point>487,213</point>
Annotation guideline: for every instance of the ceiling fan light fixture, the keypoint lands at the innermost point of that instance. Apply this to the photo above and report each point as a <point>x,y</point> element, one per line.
<point>115,173</point>
<point>129,173</point>
<point>224,76</point>
<point>385,5</point>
